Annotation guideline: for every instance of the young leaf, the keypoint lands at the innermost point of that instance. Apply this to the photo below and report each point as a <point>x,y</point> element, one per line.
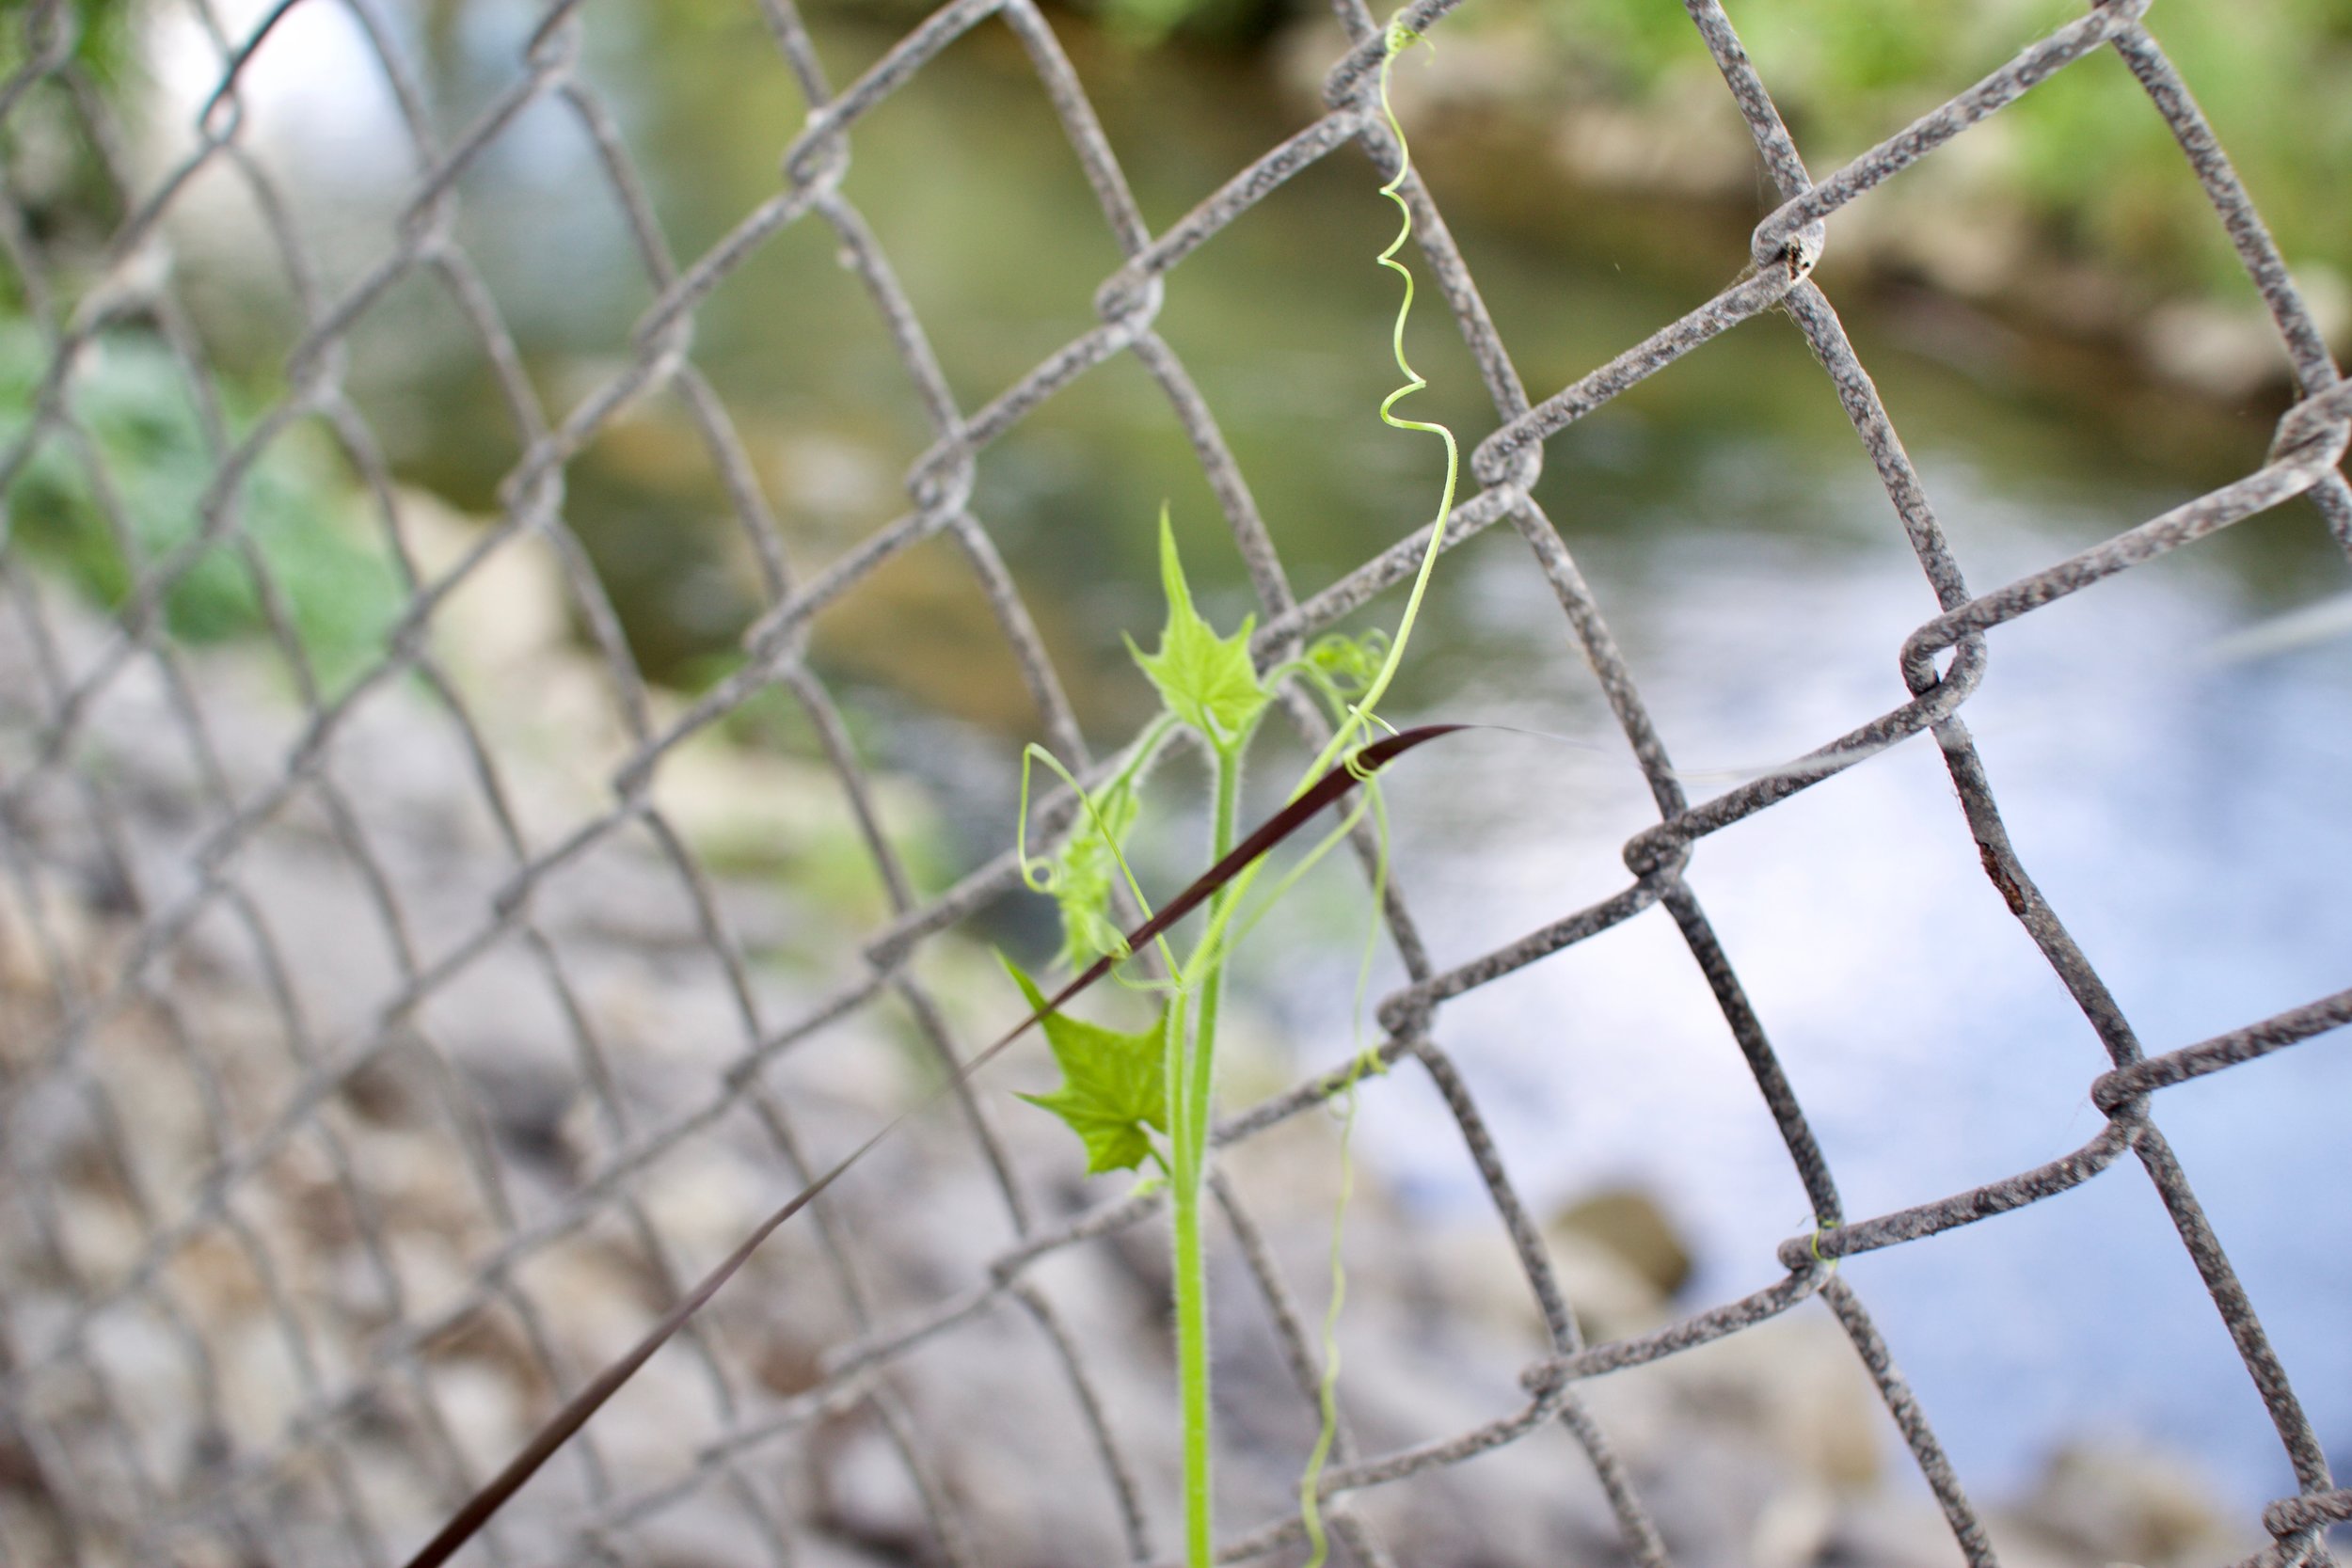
<point>1114,1085</point>
<point>1083,876</point>
<point>1350,663</point>
<point>1206,680</point>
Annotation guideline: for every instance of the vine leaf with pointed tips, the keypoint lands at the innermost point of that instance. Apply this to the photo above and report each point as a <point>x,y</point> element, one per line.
<point>1208,681</point>
<point>1114,1090</point>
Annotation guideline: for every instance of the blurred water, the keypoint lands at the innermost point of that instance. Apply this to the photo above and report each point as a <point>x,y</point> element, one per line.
<point>2185,813</point>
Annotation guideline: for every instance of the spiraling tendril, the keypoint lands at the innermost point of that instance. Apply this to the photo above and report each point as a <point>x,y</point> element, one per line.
<point>1397,39</point>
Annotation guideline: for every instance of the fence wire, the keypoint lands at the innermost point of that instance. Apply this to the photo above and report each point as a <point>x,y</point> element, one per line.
<point>123,1473</point>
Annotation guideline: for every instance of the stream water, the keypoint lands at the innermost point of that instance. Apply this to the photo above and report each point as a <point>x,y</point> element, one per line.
<point>2177,787</point>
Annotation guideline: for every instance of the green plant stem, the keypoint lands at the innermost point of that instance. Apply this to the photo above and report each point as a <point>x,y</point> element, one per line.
<point>1192,1295</point>
<point>1192,1362</point>
<point>1222,832</point>
<point>1190,1100</point>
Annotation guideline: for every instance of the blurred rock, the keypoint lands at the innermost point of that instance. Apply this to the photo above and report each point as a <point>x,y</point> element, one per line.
<point>1689,142</point>
<point>2221,351</point>
<point>483,1411</point>
<point>2111,1500</point>
<point>1629,1225</point>
<point>1470,1270</point>
<point>869,1496</point>
<point>702,1201</point>
<point>586,1050</point>
<point>2232,351</point>
<point>1796,1389</point>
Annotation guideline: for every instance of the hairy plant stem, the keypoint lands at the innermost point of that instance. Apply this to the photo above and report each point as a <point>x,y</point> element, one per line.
<point>1191,1083</point>
<point>1192,1366</point>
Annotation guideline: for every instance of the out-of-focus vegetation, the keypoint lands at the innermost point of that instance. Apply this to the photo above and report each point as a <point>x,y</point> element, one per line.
<point>2082,166</point>
<point>2085,152</point>
<point>101,32</point>
<point>131,398</point>
<point>2084,156</point>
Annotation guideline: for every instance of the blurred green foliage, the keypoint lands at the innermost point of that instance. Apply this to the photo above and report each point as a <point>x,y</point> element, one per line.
<point>130,395</point>
<point>2085,152</point>
<point>101,33</point>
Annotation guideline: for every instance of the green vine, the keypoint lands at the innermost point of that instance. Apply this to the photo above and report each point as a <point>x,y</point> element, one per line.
<point>1147,1098</point>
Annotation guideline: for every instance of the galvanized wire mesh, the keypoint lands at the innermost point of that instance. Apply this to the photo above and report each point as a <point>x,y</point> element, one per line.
<point>80,1433</point>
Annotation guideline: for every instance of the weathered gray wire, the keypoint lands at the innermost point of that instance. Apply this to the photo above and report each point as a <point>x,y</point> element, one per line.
<point>92,1464</point>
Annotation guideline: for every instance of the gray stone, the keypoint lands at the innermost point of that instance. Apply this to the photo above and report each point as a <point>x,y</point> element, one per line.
<point>1630,1223</point>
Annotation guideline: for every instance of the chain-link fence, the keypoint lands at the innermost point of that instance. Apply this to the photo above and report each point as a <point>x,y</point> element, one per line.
<point>241,1064</point>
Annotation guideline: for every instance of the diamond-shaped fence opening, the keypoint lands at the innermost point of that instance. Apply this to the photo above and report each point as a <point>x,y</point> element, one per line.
<point>403,1009</point>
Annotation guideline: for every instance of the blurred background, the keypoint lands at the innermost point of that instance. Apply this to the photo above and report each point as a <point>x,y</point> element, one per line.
<point>2054,318</point>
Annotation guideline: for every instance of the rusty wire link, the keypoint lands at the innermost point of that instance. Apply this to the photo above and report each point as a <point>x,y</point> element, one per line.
<point>68,1411</point>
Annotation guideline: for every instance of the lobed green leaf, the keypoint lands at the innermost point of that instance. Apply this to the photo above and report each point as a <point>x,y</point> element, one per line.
<point>1114,1092</point>
<point>1208,681</point>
